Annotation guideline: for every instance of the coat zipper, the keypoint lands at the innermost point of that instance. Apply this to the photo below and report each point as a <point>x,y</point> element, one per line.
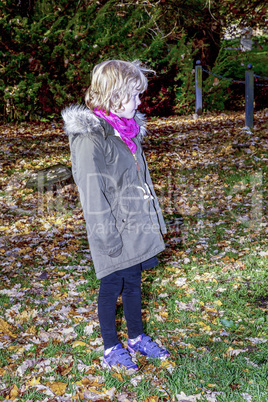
<point>136,163</point>
<point>138,169</point>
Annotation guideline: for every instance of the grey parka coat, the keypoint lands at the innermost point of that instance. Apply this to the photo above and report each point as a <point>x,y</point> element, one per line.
<point>123,218</point>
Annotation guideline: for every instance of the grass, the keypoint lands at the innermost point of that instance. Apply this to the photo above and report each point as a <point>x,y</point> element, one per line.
<point>207,301</point>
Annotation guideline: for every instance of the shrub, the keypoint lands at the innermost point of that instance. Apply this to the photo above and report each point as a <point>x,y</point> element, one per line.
<point>49,51</point>
<point>220,93</point>
<point>47,61</point>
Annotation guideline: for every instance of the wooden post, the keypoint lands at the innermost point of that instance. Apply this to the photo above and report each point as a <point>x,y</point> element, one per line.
<point>198,88</point>
<point>249,96</point>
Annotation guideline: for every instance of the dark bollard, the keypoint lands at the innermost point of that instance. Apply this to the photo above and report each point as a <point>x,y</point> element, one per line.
<point>249,96</point>
<point>198,88</point>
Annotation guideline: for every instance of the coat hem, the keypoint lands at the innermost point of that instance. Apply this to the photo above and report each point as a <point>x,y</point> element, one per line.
<point>123,265</point>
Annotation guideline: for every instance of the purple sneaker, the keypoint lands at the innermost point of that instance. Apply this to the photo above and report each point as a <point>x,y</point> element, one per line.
<point>118,356</point>
<point>147,347</point>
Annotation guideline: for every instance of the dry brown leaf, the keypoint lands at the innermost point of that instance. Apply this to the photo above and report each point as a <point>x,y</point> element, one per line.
<point>6,328</point>
<point>14,392</point>
<point>118,376</point>
<point>57,387</point>
<point>79,343</point>
<point>33,381</point>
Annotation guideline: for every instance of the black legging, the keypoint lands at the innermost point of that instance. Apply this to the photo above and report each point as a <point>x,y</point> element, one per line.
<point>128,283</point>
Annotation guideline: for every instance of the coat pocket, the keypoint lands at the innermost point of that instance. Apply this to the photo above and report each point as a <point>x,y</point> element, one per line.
<point>121,220</point>
<point>121,202</point>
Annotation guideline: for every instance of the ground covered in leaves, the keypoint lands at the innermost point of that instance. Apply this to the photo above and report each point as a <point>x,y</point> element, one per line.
<point>207,301</point>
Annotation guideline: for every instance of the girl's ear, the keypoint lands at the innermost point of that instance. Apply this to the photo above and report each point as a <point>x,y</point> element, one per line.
<point>116,111</point>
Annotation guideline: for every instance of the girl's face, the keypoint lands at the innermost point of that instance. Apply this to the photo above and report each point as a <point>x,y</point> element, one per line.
<point>129,108</point>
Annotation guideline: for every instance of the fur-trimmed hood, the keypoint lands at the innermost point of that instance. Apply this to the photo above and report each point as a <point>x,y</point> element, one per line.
<point>79,119</point>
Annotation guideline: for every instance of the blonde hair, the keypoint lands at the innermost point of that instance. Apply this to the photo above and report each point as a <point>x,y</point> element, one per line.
<point>113,82</point>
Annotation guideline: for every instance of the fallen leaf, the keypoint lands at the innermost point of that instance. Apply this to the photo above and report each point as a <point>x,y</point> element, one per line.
<point>57,387</point>
<point>93,395</point>
<point>6,328</point>
<point>234,352</point>
<point>118,376</point>
<point>14,392</point>
<point>33,381</point>
<point>79,343</point>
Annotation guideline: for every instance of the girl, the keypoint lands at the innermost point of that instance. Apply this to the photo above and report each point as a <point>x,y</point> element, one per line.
<point>123,218</point>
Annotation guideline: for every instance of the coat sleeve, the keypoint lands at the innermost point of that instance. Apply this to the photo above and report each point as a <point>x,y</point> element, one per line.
<point>91,179</point>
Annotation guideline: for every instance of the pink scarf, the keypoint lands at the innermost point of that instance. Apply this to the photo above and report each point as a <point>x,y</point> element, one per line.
<point>127,128</point>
